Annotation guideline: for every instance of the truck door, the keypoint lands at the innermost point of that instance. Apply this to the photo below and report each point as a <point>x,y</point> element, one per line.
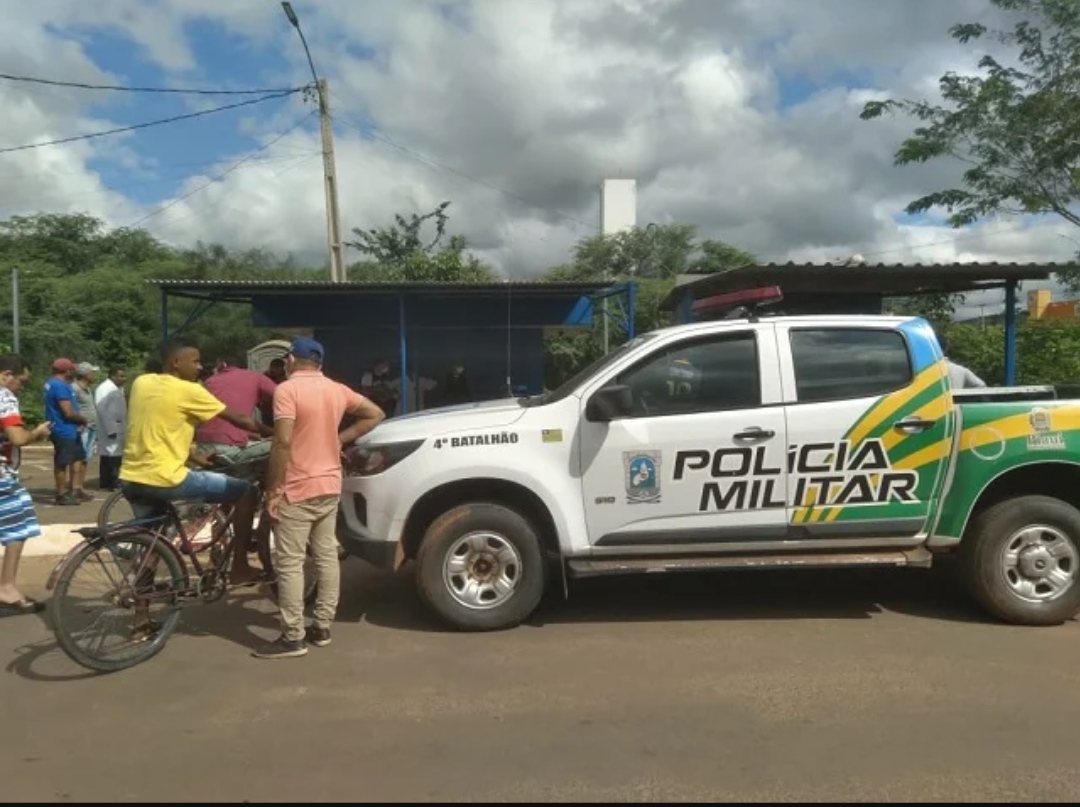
<point>870,425</point>
<point>701,459</point>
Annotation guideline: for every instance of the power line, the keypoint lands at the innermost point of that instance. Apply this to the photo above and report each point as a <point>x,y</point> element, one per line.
<point>174,119</point>
<point>151,169</point>
<point>378,135</point>
<point>218,204</point>
<point>224,173</point>
<point>118,88</point>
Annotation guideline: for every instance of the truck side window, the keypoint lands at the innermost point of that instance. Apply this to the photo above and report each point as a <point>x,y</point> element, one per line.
<point>706,375</point>
<point>834,364</point>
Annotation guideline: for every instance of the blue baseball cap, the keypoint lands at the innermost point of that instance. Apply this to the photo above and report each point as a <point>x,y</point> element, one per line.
<point>307,349</point>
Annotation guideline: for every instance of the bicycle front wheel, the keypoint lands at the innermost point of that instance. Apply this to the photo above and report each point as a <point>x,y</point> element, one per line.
<point>116,602</point>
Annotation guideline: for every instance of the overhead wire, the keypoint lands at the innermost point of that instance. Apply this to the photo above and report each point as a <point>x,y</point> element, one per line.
<point>119,88</point>
<point>377,134</point>
<point>148,124</point>
<point>218,177</point>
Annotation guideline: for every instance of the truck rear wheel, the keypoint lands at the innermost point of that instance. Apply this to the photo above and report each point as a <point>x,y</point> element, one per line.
<point>480,567</point>
<point>1021,560</point>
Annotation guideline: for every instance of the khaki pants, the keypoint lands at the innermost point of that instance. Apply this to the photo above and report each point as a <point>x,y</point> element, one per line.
<point>313,520</point>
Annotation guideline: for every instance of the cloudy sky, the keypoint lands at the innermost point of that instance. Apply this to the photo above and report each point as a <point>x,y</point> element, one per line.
<point>739,116</point>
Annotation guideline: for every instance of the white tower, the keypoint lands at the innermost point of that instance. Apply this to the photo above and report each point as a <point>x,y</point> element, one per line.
<point>618,205</point>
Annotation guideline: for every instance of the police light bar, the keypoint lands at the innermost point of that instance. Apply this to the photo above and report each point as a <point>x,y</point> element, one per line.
<point>750,298</point>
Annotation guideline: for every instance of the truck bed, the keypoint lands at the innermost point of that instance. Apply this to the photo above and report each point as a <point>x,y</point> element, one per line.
<point>1005,394</point>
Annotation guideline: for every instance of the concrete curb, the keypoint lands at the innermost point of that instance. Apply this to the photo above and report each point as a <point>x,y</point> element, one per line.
<point>56,541</point>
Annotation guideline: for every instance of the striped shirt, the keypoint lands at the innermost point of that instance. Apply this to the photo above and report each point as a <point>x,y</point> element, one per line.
<point>18,521</point>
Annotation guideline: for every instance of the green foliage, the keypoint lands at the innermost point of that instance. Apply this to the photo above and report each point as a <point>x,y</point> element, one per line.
<point>1014,126</point>
<point>937,309</point>
<point>84,294</point>
<point>399,253</point>
<point>1048,351</point>
<point>396,244</point>
<point>659,251</point>
<point>652,256</point>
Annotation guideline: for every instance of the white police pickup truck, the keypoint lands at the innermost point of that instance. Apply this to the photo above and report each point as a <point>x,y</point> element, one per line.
<point>781,442</point>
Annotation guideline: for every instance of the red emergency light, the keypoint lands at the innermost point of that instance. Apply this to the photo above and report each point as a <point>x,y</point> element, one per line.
<point>748,298</point>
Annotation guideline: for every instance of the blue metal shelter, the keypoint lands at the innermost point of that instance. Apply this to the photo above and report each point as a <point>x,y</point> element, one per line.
<point>496,329</point>
<point>861,289</point>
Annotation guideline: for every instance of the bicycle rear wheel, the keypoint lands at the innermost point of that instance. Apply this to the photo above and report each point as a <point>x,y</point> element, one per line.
<point>103,585</point>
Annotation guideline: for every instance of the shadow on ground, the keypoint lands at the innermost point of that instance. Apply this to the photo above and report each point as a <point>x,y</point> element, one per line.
<point>246,617</point>
<point>390,600</point>
<point>231,619</point>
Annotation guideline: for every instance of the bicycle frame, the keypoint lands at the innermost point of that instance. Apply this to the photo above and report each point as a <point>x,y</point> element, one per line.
<point>93,535</point>
<point>154,526</point>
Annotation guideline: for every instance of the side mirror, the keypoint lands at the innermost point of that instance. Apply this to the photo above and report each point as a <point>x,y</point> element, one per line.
<point>610,403</point>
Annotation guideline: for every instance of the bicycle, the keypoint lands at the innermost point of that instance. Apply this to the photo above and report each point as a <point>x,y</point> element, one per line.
<point>148,563</point>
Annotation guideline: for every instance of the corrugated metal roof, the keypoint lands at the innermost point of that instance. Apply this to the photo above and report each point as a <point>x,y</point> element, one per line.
<point>381,286</point>
<point>887,279</point>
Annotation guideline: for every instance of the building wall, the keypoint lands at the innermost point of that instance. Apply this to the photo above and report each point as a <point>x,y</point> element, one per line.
<point>1041,306</point>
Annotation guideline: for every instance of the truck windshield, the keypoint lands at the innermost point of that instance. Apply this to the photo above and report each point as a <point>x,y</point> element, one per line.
<point>576,380</point>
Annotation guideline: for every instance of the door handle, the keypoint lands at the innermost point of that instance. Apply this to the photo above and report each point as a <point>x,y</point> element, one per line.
<point>755,433</point>
<point>913,425</point>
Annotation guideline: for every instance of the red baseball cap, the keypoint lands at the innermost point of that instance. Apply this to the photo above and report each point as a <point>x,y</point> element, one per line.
<point>63,365</point>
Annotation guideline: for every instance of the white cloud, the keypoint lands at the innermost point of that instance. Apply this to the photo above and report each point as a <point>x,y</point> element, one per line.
<point>492,102</point>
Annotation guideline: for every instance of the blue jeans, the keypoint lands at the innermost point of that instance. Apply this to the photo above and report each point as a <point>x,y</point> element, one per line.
<point>148,501</point>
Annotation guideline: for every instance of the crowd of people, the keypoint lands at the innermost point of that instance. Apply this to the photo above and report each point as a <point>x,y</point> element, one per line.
<point>163,443</point>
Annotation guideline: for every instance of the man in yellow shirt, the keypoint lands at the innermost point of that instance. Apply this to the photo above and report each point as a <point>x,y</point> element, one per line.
<point>163,412</point>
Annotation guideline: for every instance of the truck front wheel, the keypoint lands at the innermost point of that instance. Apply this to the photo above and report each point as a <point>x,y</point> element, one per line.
<point>1021,559</point>
<point>480,567</point>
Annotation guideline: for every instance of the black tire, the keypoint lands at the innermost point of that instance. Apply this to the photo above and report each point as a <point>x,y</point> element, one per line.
<point>140,541</point>
<point>508,528</point>
<point>114,510</point>
<point>988,576</point>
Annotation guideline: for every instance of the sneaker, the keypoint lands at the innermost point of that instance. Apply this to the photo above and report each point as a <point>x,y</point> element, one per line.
<point>281,648</point>
<point>320,637</point>
<point>84,496</point>
<point>67,500</point>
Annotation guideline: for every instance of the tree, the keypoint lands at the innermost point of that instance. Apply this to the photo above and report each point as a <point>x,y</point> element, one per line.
<point>398,253</point>
<point>1014,127</point>
<point>71,242</point>
<point>392,245</point>
<point>652,256</point>
<point>659,251</point>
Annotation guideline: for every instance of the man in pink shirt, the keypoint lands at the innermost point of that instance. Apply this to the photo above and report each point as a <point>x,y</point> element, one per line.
<point>241,390</point>
<point>304,485</point>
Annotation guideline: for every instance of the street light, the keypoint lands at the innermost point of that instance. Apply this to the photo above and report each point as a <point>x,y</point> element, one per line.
<point>333,218</point>
<point>296,24</point>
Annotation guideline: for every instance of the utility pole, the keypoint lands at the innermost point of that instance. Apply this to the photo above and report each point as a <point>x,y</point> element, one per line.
<point>15,308</point>
<point>333,220</point>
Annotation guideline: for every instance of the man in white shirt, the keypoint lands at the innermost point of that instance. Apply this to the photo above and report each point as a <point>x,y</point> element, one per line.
<point>960,377</point>
<point>111,409</point>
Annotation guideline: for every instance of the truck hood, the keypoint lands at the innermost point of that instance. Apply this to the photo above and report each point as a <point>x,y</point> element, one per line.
<point>487,415</point>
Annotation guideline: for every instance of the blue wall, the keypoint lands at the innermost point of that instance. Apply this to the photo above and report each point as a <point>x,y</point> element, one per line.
<point>441,330</point>
<point>431,353</point>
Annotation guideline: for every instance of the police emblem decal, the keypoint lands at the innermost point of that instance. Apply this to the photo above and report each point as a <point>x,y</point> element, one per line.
<point>642,474</point>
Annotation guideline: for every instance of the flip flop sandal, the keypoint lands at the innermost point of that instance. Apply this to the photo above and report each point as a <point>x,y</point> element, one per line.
<point>24,606</point>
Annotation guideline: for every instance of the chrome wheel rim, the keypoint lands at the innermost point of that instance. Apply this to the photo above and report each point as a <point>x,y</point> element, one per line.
<point>482,570</point>
<point>1040,563</point>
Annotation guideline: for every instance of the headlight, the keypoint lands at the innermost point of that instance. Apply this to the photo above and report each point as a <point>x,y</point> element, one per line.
<point>369,460</point>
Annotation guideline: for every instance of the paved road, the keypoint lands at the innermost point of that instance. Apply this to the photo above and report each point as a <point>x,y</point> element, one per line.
<point>36,474</point>
<point>752,686</point>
